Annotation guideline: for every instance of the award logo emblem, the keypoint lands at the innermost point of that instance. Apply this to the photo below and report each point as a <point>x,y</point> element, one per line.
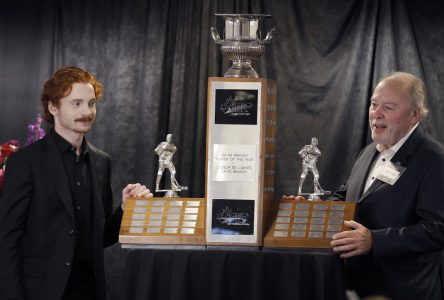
<point>310,155</point>
<point>242,42</point>
<point>165,151</point>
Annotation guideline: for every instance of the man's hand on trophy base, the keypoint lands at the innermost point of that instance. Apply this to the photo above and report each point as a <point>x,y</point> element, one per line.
<point>357,241</point>
<point>292,197</point>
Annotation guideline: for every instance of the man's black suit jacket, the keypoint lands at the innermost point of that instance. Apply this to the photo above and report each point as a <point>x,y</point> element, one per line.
<point>407,222</point>
<point>37,226</point>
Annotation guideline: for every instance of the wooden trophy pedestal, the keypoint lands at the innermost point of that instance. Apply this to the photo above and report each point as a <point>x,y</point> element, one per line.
<point>163,221</point>
<point>308,224</point>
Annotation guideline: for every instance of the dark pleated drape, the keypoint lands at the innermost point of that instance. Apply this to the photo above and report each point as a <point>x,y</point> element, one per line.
<point>154,58</point>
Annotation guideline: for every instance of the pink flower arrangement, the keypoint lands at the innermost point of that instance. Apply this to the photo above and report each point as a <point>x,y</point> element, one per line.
<point>35,133</point>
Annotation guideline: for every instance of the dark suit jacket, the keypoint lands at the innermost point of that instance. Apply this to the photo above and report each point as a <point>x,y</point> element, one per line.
<point>407,223</point>
<point>37,226</point>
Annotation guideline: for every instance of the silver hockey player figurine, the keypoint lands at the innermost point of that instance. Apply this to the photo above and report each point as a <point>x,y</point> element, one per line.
<point>310,155</point>
<point>166,151</point>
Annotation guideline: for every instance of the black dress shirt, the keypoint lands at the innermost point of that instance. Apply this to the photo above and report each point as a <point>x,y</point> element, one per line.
<point>78,170</point>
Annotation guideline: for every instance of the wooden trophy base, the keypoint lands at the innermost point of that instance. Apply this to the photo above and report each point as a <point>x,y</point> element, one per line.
<point>308,224</point>
<point>163,221</point>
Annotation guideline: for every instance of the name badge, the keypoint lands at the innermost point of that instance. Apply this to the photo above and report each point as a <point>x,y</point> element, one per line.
<point>390,173</point>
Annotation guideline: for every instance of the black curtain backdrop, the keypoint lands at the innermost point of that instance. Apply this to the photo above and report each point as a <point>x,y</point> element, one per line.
<point>154,58</point>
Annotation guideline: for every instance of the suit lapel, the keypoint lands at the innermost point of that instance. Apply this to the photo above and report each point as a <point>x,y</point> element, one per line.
<point>97,168</point>
<point>56,172</point>
<point>358,177</point>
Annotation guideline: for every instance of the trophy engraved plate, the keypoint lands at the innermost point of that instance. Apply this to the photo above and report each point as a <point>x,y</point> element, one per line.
<point>282,226</point>
<point>281,233</point>
<point>300,213</point>
<point>240,168</point>
<point>163,221</point>
<point>190,217</point>
<point>285,205</point>
<point>170,230</point>
<point>313,224</point>
<point>136,229</point>
<point>298,227</point>
<point>285,213</point>
<point>172,223</point>
<point>299,234</point>
<point>140,210</point>
<point>187,230</point>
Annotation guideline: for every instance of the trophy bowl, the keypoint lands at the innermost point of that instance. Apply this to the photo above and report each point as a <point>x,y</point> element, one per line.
<point>242,42</point>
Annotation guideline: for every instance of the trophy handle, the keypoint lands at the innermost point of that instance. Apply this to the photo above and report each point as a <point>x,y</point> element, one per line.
<point>267,38</point>
<point>215,35</point>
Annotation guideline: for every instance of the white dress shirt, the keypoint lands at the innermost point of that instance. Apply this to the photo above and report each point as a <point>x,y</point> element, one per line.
<point>385,155</point>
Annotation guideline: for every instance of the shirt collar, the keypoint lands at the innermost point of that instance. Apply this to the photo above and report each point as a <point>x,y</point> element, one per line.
<point>63,145</point>
<point>398,145</point>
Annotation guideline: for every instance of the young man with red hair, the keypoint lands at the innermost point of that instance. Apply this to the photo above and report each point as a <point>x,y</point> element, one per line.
<point>56,207</point>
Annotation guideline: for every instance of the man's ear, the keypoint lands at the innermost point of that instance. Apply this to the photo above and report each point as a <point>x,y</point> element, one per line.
<point>416,115</point>
<point>52,108</point>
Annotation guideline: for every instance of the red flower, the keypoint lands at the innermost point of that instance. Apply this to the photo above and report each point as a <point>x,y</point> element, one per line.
<point>5,150</point>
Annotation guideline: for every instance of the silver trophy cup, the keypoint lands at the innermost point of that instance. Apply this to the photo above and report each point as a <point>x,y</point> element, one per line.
<point>242,42</point>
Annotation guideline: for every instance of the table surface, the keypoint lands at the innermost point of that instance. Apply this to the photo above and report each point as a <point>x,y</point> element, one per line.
<point>152,274</point>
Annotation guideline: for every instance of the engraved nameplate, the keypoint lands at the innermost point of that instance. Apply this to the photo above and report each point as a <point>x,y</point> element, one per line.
<point>302,206</point>
<point>188,224</point>
<point>301,213</point>
<point>191,210</point>
<point>187,230</point>
<point>298,234</point>
<point>299,227</point>
<point>300,220</point>
<point>136,229</point>
<point>285,213</point>
<point>315,234</point>
<point>155,223</point>
<point>156,217</point>
<point>190,217</point>
<point>170,230</point>
<point>320,207</point>
<point>153,230</point>
<point>319,214</point>
<point>137,223</point>
<point>282,226</point>
<point>173,217</point>
<point>285,206</point>
<point>141,203</point>
<point>172,223</point>
<point>282,220</point>
<point>337,207</point>
<point>138,216</point>
<point>157,209</point>
<point>280,233</point>
<point>140,210</point>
